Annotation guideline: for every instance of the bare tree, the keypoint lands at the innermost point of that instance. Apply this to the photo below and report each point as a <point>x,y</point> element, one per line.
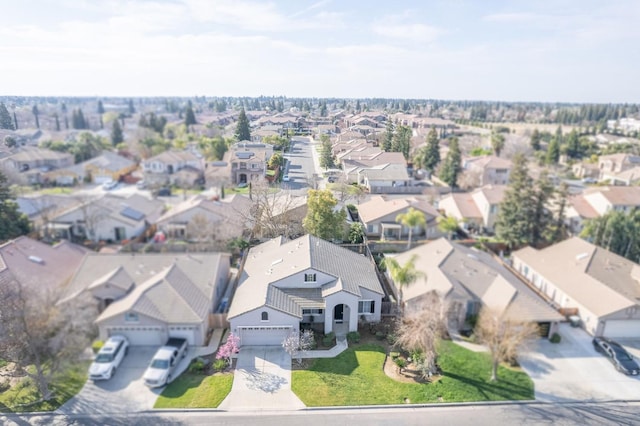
<point>297,343</point>
<point>420,330</point>
<point>505,337</point>
<point>92,214</point>
<point>345,192</point>
<point>38,336</point>
<point>200,229</point>
<point>469,179</point>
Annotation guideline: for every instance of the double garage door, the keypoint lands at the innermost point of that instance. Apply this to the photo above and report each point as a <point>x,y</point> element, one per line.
<point>153,335</point>
<point>263,336</point>
<point>622,328</point>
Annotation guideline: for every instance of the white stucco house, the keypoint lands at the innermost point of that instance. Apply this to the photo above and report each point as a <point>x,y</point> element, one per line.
<point>307,280</point>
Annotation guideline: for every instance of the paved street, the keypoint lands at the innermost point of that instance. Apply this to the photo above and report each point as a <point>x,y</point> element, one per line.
<point>301,165</point>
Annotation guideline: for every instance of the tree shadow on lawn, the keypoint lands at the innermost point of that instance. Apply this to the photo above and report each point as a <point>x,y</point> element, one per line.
<point>260,380</point>
<point>505,390</point>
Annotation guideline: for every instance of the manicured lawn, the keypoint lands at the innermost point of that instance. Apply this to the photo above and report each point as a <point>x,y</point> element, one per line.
<point>56,190</point>
<point>66,384</point>
<point>356,377</point>
<point>195,391</point>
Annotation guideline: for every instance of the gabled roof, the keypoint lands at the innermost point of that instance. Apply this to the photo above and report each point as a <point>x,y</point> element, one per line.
<point>378,207</point>
<point>582,207</point>
<point>386,172</point>
<point>601,281</point>
<point>488,162</point>
<point>465,204</point>
<point>459,272</point>
<point>277,259</point>
<point>617,195</point>
<point>494,194</point>
<point>173,156</point>
<point>118,278</point>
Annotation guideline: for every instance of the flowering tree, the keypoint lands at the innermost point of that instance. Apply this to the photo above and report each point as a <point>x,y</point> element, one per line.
<point>230,347</point>
<point>298,343</point>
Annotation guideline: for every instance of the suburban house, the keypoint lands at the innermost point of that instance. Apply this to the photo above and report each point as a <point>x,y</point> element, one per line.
<point>578,210</point>
<point>217,174</point>
<point>38,266</point>
<point>600,287</point>
<point>40,208</point>
<point>390,178</point>
<point>279,214</point>
<point>613,198</point>
<point>108,218</point>
<point>584,169</point>
<point>489,170</point>
<point>103,168</point>
<point>354,164</point>
<point>378,215</point>
<point>476,210</point>
<point>469,279</point>
<point>205,219</point>
<point>616,163</point>
<point>33,163</point>
<point>151,297</point>
<point>310,281</point>
<point>248,161</point>
<point>164,169</point>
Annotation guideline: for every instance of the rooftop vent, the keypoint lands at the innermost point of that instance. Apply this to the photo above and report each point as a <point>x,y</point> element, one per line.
<point>582,256</point>
<point>36,259</point>
<point>275,262</point>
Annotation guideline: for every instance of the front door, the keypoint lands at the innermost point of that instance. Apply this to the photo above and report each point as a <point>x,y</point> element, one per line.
<point>338,313</point>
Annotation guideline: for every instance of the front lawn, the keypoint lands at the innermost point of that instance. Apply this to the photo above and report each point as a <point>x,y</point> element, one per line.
<point>65,384</point>
<point>356,377</point>
<point>195,391</point>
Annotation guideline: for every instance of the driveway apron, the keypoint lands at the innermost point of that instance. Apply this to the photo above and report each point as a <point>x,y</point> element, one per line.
<point>262,381</point>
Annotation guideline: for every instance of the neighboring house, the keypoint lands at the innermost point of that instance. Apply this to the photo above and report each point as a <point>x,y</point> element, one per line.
<point>613,198</point>
<point>281,214</point>
<point>490,170</point>
<point>616,163</point>
<point>388,179</point>
<point>34,163</point>
<point>204,219</point>
<point>327,129</point>
<point>577,212</point>
<point>600,285</point>
<point>378,215</point>
<point>584,169</point>
<point>307,280</point>
<point>39,266</point>
<point>151,297</point>
<point>41,208</point>
<point>477,210</point>
<point>108,218</point>
<point>103,168</point>
<point>352,166</point>
<point>468,279</point>
<point>160,170</point>
<point>248,161</point>
<point>626,177</point>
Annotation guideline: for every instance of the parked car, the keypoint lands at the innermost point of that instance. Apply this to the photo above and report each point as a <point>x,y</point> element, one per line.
<point>589,180</point>
<point>164,362</point>
<point>285,178</point>
<point>162,192</point>
<point>110,184</point>
<point>141,184</point>
<point>618,356</point>
<point>109,357</point>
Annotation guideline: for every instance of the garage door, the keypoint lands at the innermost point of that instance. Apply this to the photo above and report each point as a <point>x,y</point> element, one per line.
<point>101,179</point>
<point>263,336</point>
<point>141,336</point>
<point>188,333</point>
<point>622,328</point>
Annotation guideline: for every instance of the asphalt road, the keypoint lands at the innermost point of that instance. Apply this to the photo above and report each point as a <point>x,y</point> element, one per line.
<point>615,413</point>
<point>301,166</point>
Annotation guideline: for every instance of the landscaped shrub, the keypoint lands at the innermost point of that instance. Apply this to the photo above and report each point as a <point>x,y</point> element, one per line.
<point>400,362</point>
<point>197,366</point>
<point>327,340</point>
<point>219,364</point>
<point>97,345</point>
<point>380,335</point>
<point>353,337</point>
<point>391,338</point>
<point>394,355</point>
<point>555,338</point>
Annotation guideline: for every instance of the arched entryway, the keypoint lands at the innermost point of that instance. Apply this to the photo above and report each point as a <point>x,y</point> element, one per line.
<point>341,313</point>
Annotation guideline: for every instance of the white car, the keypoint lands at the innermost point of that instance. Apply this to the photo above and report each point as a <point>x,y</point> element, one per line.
<point>164,362</point>
<point>109,358</point>
<point>110,184</point>
<point>285,178</point>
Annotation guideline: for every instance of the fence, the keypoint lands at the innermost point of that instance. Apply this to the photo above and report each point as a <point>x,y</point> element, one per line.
<point>218,321</point>
<point>209,247</point>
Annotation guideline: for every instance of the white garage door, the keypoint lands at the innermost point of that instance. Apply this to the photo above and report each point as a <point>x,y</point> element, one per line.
<point>622,328</point>
<point>263,336</point>
<point>187,332</point>
<point>141,336</point>
<point>101,179</point>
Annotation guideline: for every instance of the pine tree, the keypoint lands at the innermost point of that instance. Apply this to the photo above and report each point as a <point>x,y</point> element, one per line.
<point>66,122</point>
<point>572,146</point>
<point>452,164</point>
<point>132,109</point>
<point>535,140</point>
<point>243,132</point>
<point>432,153</point>
<point>402,141</point>
<point>55,116</point>
<point>12,223</point>
<point>15,120</point>
<point>35,112</point>
<point>116,133</point>
<point>189,116</point>
<point>5,118</point>
<point>326,156</point>
<point>100,108</point>
<point>553,151</point>
<point>388,137</point>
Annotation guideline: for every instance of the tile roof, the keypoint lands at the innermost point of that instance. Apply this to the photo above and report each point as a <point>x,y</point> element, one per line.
<point>617,195</point>
<point>465,204</point>
<point>378,207</point>
<point>277,259</point>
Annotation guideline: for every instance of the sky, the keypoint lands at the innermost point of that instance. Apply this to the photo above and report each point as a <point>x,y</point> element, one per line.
<point>511,50</point>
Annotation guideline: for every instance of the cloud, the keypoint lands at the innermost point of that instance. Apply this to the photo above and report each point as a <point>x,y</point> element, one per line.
<point>416,32</point>
<point>513,17</point>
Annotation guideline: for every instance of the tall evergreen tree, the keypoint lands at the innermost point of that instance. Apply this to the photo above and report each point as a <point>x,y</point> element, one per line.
<point>497,142</point>
<point>12,223</point>
<point>402,140</point>
<point>35,112</point>
<point>116,133</point>
<point>452,165</point>
<point>5,118</point>
<point>15,120</point>
<point>243,132</point>
<point>189,116</point>
<point>100,107</point>
<point>326,156</point>
<point>432,154</point>
<point>132,109</point>
<point>388,136</point>
<point>573,148</point>
<point>55,116</point>
<point>553,151</point>
<point>535,140</point>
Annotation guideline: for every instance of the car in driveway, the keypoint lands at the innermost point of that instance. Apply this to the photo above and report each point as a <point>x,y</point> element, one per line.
<point>164,362</point>
<point>286,178</point>
<point>109,358</point>
<point>109,185</point>
<point>618,356</point>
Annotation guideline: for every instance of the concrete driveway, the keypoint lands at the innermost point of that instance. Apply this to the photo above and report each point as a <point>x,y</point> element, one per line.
<point>124,392</point>
<point>262,381</point>
<point>573,371</point>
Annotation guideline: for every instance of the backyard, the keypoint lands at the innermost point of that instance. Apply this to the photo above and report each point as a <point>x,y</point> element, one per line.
<point>349,379</point>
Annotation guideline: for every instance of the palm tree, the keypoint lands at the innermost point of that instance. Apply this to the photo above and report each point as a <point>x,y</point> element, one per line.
<point>448,224</point>
<point>403,276</point>
<point>411,219</point>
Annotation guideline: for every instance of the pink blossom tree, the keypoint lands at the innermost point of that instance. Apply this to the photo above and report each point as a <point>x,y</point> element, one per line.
<point>230,347</point>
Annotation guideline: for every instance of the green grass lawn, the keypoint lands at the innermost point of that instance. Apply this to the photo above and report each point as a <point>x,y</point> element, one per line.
<point>65,384</point>
<point>195,391</point>
<point>56,190</point>
<point>356,377</point>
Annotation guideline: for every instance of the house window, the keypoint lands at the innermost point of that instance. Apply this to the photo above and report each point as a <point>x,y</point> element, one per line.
<point>265,316</point>
<point>131,317</point>
<point>312,311</point>
<point>309,278</point>
<point>366,306</point>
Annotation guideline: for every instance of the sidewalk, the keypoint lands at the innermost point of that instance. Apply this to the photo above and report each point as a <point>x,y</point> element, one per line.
<point>341,346</point>
<point>458,340</point>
